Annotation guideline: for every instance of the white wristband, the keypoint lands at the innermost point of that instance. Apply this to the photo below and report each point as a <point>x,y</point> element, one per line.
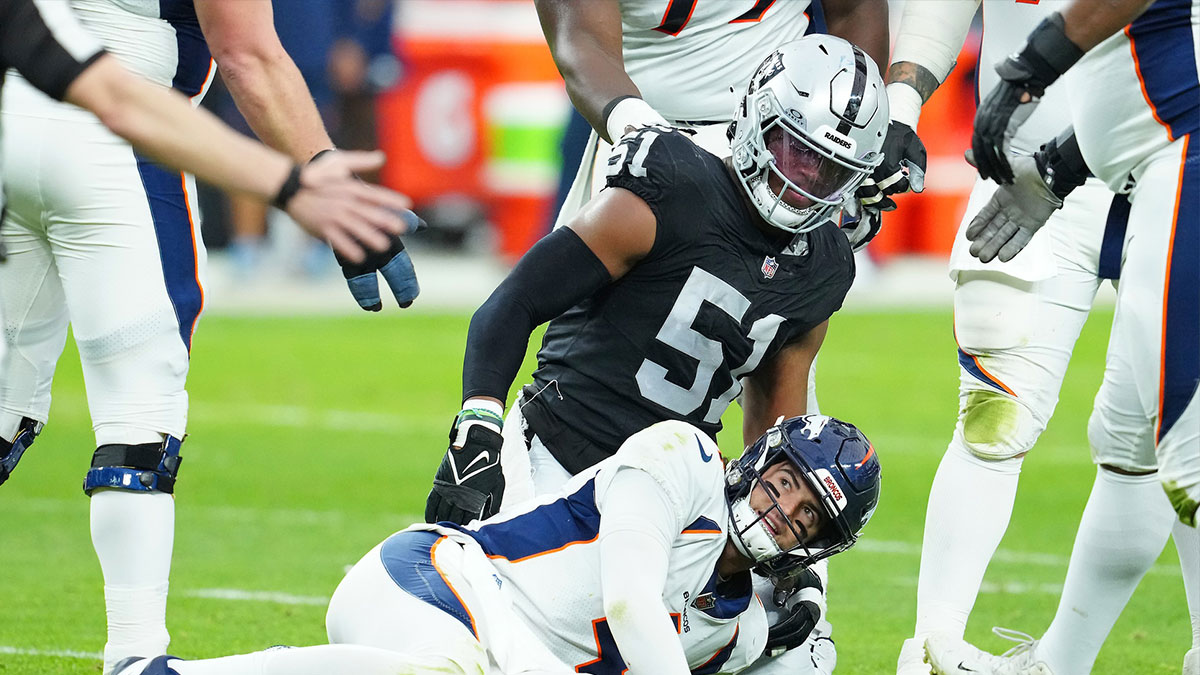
<point>904,103</point>
<point>631,112</point>
<point>484,404</point>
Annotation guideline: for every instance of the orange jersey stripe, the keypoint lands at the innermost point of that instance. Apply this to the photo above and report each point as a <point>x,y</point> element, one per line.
<point>1162,354</point>
<point>187,205</point>
<point>433,559</point>
<point>1137,69</point>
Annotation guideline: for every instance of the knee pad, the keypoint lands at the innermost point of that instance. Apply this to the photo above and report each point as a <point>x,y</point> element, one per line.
<point>10,453</point>
<point>995,426</point>
<point>147,467</point>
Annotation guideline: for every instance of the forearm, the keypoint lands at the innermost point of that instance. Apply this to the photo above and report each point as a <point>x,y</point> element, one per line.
<point>585,39</point>
<point>273,97</point>
<point>1090,22</point>
<point>163,125</point>
<point>553,276</point>
<point>636,529</point>
<point>863,23</point>
<point>930,36</point>
<point>641,625</point>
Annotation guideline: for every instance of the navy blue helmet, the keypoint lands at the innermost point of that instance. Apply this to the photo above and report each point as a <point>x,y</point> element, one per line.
<point>840,466</point>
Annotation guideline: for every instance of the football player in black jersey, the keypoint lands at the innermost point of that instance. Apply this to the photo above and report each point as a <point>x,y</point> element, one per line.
<point>688,281</point>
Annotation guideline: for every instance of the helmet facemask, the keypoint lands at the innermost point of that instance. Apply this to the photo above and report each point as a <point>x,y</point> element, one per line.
<point>751,534</point>
<point>795,183</point>
<point>808,131</point>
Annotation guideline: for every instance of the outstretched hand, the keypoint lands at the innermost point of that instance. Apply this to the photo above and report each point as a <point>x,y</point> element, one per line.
<point>354,217</point>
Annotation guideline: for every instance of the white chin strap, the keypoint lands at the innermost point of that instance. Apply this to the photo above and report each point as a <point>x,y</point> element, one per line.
<point>753,539</point>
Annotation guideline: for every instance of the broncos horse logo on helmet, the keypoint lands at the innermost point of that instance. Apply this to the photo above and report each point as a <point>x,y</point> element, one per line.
<point>809,130</point>
<point>840,466</point>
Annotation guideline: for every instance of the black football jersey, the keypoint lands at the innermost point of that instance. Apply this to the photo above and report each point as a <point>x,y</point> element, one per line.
<point>714,298</point>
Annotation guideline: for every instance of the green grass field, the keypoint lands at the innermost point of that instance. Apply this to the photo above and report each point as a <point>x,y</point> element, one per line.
<point>312,439</point>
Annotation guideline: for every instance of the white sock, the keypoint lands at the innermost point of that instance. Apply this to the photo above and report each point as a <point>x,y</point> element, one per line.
<point>133,534</point>
<point>1187,541</point>
<point>1123,530</point>
<point>970,504</point>
<point>317,660</point>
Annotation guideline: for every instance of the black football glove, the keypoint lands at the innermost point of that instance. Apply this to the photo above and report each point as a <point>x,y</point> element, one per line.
<point>469,484</point>
<point>794,629</point>
<point>902,169</point>
<point>1047,55</point>
<point>395,266</point>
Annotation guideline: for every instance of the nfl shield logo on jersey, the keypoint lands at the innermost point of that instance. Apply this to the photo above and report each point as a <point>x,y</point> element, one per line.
<point>769,267</point>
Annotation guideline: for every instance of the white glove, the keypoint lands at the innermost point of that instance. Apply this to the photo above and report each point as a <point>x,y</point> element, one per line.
<point>1015,212</point>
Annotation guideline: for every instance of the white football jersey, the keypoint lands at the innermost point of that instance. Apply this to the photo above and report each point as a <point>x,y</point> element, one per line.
<point>1006,25</point>
<point>547,557</point>
<point>1137,92</point>
<point>157,39</point>
<point>692,59</point>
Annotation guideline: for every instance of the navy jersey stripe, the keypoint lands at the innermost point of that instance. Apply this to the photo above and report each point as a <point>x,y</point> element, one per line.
<point>573,519</point>
<point>1112,245</point>
<point>719,659</point>
<point>970,365</point>
<point>703,524</point>
<point>1181,320</point>
<point>176,242</point>
<point>725,600</point>
<point>408,559</point>
<point>195,60</point>
<point>816,18</point>
<point>1165,56</point>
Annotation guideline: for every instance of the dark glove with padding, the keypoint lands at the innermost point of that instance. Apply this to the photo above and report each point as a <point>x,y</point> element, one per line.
<point>803,616</point>
<point>469,483</point>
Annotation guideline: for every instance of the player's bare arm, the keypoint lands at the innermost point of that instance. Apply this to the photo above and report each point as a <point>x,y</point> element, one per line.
<point>325,199</point>
<point>914,75</point>
<point>863,23</point>
<point>618,227</point>
<point>780,387</point>
<point>1090,22</point>
<point>264,81</point>
<point>585,40</point>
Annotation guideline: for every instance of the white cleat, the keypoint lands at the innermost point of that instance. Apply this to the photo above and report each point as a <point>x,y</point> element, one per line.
<point>912,658</point>
<point>1191,662</point>
<point>953,656</point>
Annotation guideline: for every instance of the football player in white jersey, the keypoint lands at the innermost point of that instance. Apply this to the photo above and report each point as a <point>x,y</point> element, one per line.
<point>1135,104</point>
<point>102,237</point>
<point>640,564</point>
<point>1016,323</point>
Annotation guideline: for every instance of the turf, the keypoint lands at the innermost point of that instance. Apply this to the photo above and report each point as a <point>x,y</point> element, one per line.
<point>312,439</point>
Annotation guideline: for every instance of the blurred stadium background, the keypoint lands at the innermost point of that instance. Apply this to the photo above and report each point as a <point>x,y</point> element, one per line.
<point>315,429</point>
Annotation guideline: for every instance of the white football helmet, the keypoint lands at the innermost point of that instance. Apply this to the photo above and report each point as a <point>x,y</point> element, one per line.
<point>809,130</point>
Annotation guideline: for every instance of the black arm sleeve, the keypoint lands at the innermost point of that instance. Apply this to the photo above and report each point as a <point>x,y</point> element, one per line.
<point>556,274</point>
<point>29,44</point>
